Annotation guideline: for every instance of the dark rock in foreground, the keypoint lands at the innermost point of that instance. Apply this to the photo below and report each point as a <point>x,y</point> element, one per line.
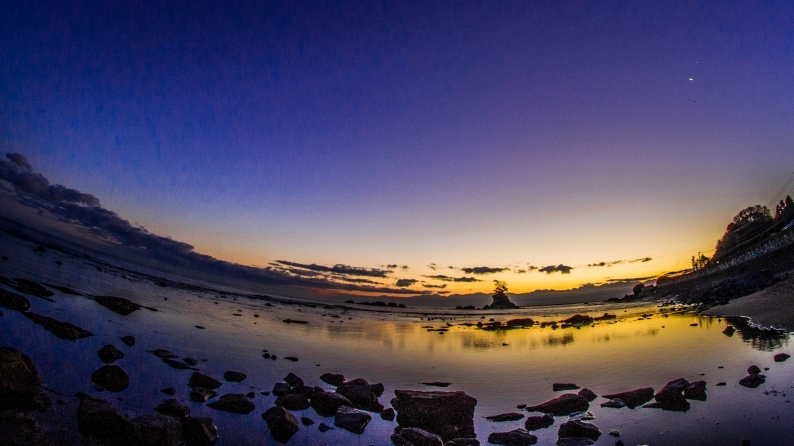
<point>729,331</point>
<point>63,330</point>
<point>780,357</point>
<point>562,405</point>
<point>752,380</point>
<point>280,389</point>
<point>672,393</point>
<point>99,421</point>
<point>326,403</point>
<point>31,288</point>
<point>201,395</point>
<point>13,301</point>
<point>564,386</point>
<point>199,431</point>
<point>293,380</point>
<point>511,416</point>
<point>334,379</point>
<point>234,403</point>
<point>306,421</point>
<point>20,429</point>
<point>129,340</point>
<point>109,354</point>
<point>362,394</point>
<point>633,398</point>
<point>587,393</point>
<point>282,424</point>
<point>293,402</point>
<point>696,391</point>
<point>157,430</point>
<point>516,437</point>
<point>118,305</point>
<point>111,377</point>
<point>233,376</point>
<point>20,384</point>
<point>447,414</point>
<point>578,428</point>
<point>538,422</point>
<point>388,414</point>
<point>412,436</point>
<point>351,419</point>
<point>198,379</point>
<point>173,408</point>
<point>615,403</point>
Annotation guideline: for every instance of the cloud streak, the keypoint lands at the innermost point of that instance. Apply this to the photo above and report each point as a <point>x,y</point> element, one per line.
<point>405,282</point>
<point>453,279</point>
<point>340,269</point>
<point>481,270</point>
<point>563,269</point>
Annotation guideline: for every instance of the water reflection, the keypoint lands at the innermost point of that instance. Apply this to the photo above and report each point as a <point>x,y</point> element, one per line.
<point>764,339</point>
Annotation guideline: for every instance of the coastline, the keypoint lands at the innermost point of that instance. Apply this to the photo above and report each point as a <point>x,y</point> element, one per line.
<point>770,307</point>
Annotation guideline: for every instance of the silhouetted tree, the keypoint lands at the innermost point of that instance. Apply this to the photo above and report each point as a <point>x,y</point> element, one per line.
<point>700,261</point>
<point>747,227</point>
<point>500,288</point>
<point>638,289</point>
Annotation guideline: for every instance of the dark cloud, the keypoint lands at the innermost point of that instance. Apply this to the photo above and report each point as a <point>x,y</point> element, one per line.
<point>356,280</point>
<point>340,269</point>
<point>391,266</point>
<point>18,172</point>
<point>405,282</point>
<point>556,269</point>
<point>642,260</point>
<point>618,262</point>
<point>430,285</point>
<point>404,267</point>
<point>453,279</point>
<point>483,270</point>
<point>520,271</point>
<point>432,266</point>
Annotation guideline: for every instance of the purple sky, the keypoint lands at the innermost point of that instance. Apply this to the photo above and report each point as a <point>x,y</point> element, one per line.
<point>464,134</point>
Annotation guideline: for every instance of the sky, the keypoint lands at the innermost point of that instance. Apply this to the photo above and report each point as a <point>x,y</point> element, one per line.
<point>441,136</point>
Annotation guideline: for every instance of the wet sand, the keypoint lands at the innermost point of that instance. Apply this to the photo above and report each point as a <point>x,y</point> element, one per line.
<point>771,307</point>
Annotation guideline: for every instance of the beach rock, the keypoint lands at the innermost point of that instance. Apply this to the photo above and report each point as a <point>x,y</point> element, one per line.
<point>280,389</point>
<point>516,437</point>
<point>463,442</point>
<point>234,403</point>
<point>20,384</point>
<point>633,398</point>
<point>538,422</point>
<point>326,403</point>
<point>163,354</point>
<point>109,354</point>
<point>118,305</point>
<point>362,396</point>
<point>334,379</point>
<point>562,405</point>
<point>175,363</point>
<point>306,421</point>
<point>696,391</point>
<point>157,430</point>
<point>563,386</point>
<point>579,319</point>
<point>282,424</point>
<point>99,421</point>
<point>522,322</point>
<point>446,414</point>
<point>201,395</point>
<point>293,402</point>
<point>293,380</point>
<point>63,330</point>
<point>578,428</point>
<point>729,331</point>
<point>304,390</point>
<point>412,436</point>
<point>780,357</point>
<point>172,408</point>
<point>437,384</point>
<point>577,441</point>
<point>199,431</point>
<point>752,380</point>
<point>511,416</point>
<point>233,376</point>
<point>111,377</point>
<point>587,393</point>
<point>198,379</point>
<point>351,420</point>
<point>191,362</point>
<point>31,288</point>
<point>615,403</point>
<point>672,392</point>
<point>388,414</point>
<point>753,370</point>
<point>13,301</point>
<point>20,429</point>
<point>324,427</point>
<point>129,340</point>
<point>377,389</point>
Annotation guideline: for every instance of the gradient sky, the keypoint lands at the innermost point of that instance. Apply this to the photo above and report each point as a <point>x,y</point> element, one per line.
<point>465,134</point>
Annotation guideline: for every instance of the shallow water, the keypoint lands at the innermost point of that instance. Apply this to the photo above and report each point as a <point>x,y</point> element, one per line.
<point>499,368</point>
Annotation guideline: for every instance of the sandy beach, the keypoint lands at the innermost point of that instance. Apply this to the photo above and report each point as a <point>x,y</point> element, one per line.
<point>771,307</point>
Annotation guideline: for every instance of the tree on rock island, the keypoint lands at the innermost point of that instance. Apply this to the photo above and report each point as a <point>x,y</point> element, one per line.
<point>500,299</point>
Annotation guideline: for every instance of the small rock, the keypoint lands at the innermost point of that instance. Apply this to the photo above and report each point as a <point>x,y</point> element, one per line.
<point>169,391</point>
<point>111,377</point>
<point>753,370</point>
<point>157,430</point>
<point>280,389</point>
<point>696,391</point>
<point>351,420</point>
<point>293,380</point>
<point>729,331</point>
<point>538,422</point>
<point>578,428</point>
<point>306,421</point>
<point>191,362</point>
<point>416,437</point>
<point>293,402</point>
<point>118,305</point>
<point>63,330</point>
<point>199,431</point>
<point>438,384</point>
<point>129,340</point>
<point>753,380</point>
<point>334,379</point>
<point>615,403</point>
<point>557,387</point>
<point>324,427</point>
<point>615,433</point>
<point>565,404</point>
<point>282,424</point>
<point>327,403</point>
<point>233,376</point>
<point>511,416</point>
<point>234,403</point>
<point>198,379</point>
<point>587,393</point>
<point>175,363</point>
<point>516,437</point>
<point>387,414</point>
<point>780,357</point>
<point>634,398</point>
<point>201,395</point>
<point>173,408</point>
<point>13,301</point>
<point>109,354</point>
<point>99,421</point>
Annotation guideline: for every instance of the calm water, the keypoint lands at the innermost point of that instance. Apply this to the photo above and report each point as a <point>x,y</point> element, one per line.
<point>499,368</point>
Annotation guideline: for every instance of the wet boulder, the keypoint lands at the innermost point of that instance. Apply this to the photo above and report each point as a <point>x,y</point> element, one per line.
<point>587,393</point>
<point>515,437</point>
<point>282,424</point>
<point>157,430</point>
<point>111,378</point>
<point>752,380</point>
<point>446,414</point>
<point>351,420</point>
<point>129,340</point>
<point>234,403</point>
<point>614,403</point>
<point>565,404</point>
<point>99,421</point>
<point>326,403</point>
<point>63,330</point>
<point>412,436</point>
<point>633,398</point>
<point>672,393</point>
<point>753,370</point>
<point>334,379</point>
<point>198,379</point>
<point>293,401</point>
<point>200,394</point>
<point>696,391</point>
<point>293,380</point>
<point>20,384</point>
<point>538,422</point>
<point>13,301</point>
<point>233,376</point>
<point>172,408</point>
<point>30,287</point>
<point>109,354</point>
<point>280,389</point>
<point>578,428</point>
<point>780,357</point>
<point>199,431</point>
<point>557,387</point>
<point>118,305</point>
<point>388,414</point>
<point>511,416</point>
<point>363,396</point>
